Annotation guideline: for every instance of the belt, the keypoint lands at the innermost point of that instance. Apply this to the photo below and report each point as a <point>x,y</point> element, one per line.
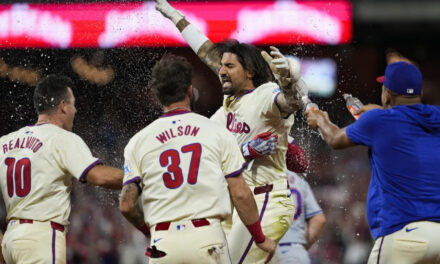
<point>54,225</point>
<point>269,187</point>
<point>289,244</point>
<point>164,226</point>
<point>263,189</point>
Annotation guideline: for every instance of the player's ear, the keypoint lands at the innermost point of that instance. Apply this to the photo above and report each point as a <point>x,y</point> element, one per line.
<point>62,106</point>
<point>249,75</point>
<point>189,93</point>
<point>388,98</point>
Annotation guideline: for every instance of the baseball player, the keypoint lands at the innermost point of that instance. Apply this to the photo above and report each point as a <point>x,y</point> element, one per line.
<point>36,168</point>
<point>403,136</point>
<point>182,165</point>
<point>308,220</point>
<point>253,105</point>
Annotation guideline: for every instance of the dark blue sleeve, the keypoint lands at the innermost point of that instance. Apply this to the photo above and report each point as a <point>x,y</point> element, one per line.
<point>361,132</point>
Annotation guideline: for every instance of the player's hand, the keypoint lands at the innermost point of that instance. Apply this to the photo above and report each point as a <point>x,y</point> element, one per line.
<point>284,69</point>
<point>262,144</point>
<point>367,108</point>
<point>314,117</point>
<point>277,61</point>
<point>268,246</point>
<point>168,11</point>
<point>153,252</point>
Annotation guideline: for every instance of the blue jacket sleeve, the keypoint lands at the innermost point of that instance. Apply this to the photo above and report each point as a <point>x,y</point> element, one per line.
<point>362,131</point>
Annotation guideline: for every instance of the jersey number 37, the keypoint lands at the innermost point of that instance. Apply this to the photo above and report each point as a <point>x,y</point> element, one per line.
<point>171,160</point>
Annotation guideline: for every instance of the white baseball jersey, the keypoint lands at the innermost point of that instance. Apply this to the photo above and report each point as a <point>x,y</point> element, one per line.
<point>36,166</point>
<point>253,113</point>
<point>181,161</point>
<point>306,208</point>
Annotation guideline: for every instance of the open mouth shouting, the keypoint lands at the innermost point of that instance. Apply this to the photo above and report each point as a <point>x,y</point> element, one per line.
<point>226,82</point>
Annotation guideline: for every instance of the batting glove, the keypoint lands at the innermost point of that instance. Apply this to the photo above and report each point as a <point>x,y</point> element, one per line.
<point>296,159</point>
<point>285,70</point>
<point>168,11</point>
<point>153,252</point>
<point>262,144</point>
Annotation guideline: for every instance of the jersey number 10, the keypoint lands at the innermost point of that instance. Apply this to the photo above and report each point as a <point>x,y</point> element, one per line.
<point>171,159</point>
<point>18,174</point>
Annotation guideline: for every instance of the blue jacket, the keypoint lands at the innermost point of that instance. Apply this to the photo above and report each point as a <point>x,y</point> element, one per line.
<point>404,154</point>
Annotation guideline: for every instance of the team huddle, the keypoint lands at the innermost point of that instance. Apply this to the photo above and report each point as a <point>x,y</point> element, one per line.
<point>223,189</point>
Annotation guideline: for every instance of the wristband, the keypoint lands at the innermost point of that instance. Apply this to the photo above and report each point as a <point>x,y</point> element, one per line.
<point>145,229</point>
<point>193,37</point>
<point>256,232</point>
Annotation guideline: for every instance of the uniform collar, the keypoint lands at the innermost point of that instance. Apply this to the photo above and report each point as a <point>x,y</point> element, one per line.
<point>178,111</point>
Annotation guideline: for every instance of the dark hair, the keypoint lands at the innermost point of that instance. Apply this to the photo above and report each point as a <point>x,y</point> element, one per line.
<point>250,58</point>
<point>171,78</point>
<point>50,91</point>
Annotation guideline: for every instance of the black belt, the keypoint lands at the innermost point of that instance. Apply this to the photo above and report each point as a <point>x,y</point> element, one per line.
<point>289,244</point>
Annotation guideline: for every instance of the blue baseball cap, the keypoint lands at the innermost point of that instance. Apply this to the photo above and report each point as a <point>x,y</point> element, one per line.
<point>403,78</point>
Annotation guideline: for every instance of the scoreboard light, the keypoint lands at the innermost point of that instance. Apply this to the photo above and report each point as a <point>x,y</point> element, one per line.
<point>108,25</point>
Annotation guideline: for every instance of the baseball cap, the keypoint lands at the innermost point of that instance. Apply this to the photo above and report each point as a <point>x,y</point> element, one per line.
<point>403,78</point>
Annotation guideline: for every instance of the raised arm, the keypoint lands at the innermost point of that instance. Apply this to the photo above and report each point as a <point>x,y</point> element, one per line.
<point>335,136</point>
<point>199,43</point>
<point>288,73</point>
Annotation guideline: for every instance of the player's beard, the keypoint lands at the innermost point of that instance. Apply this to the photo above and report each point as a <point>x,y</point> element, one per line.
<point>228,88</point>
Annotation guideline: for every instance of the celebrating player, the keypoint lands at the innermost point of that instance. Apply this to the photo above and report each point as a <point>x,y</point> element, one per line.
<point>257,112</point>
<point>36,168</point>
<point>403,207</point>
<point>183,165</point>
<point>308,220</point>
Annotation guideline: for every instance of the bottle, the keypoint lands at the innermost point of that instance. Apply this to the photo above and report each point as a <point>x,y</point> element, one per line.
<point>309,105</point>
<point>353,104</point>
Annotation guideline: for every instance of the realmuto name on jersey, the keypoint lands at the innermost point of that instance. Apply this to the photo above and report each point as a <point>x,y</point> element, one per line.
<point>179,131</point>
<point>31,143</point>
<point>236,126</point>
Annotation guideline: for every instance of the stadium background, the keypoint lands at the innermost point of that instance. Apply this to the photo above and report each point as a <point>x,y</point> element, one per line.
<point>108,115</point>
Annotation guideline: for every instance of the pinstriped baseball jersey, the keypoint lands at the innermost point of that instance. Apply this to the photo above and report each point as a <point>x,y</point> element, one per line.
<point>181,161</point>
<point>306,207</point>
<point>36,165</point>
<point>253,113</point>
